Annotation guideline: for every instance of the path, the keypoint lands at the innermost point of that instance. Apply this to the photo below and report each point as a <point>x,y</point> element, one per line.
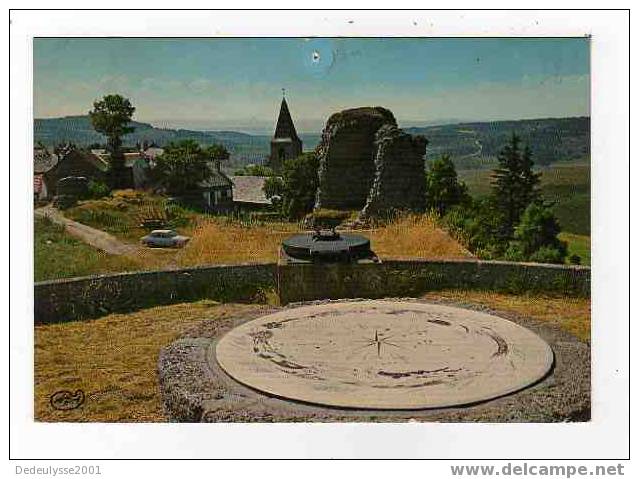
<point>94,237</point>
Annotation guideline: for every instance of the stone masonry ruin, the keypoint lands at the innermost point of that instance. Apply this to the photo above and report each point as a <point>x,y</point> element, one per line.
<point>369,164</point>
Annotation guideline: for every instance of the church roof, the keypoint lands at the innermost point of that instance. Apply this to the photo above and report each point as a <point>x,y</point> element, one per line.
<point>285,127</point>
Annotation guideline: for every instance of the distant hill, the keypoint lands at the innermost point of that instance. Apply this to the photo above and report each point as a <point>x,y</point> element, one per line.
<point>475,144</point>
<point>244,148</point>
<point>471,145</point>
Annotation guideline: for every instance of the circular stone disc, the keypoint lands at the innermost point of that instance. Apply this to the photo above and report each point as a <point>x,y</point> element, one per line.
<point>384,355</point>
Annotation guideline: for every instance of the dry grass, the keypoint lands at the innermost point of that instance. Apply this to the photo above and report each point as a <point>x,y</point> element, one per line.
<point>215,241</point>
<point>113,360</point>
<point>570,314</point>
<point>415,236</point>
<point>219,242</point>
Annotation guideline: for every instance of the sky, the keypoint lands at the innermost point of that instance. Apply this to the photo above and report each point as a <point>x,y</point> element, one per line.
<point>233,83</point>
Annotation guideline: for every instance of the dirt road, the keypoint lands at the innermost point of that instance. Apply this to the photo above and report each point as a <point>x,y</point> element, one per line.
<point>94,237</point>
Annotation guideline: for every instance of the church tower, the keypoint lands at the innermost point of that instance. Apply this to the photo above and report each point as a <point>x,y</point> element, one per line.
<point>285,143</point>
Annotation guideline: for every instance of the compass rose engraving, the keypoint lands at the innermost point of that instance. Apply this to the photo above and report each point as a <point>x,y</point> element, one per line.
<point>378,341</point>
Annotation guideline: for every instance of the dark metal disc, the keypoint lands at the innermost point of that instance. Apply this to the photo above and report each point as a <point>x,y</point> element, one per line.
<point>342,247</point>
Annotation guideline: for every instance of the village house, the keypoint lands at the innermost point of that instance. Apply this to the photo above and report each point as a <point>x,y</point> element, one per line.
<point>49,167</point>
<point>217,190</point>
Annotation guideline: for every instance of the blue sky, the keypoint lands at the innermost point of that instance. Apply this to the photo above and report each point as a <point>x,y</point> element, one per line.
<point>236,83</point>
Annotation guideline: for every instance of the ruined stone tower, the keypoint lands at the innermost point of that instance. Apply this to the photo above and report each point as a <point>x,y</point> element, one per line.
<point>367,163</point>
<point>285,143</point>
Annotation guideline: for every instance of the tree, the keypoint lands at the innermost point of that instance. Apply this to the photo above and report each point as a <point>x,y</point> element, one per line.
<point>443,189</point>
<point>217,153</point>
<point>535,237</point>
<point>274,190</point>
<point>515,185</point>
<point>111,116</point>
<point>297,186</point>
<point>182,166</point>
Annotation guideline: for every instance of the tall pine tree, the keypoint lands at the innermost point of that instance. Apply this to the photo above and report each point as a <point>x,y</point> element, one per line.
<point>515,185</point>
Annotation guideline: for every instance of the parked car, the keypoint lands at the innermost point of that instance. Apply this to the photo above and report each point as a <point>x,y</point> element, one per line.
<point>165,239</point>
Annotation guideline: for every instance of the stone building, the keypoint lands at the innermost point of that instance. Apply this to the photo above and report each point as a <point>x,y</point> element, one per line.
<point>69,161</point>
<point>285,143</point>
<point>367,163</point>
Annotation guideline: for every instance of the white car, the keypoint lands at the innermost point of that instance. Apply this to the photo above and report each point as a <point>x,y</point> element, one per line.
<point>165,239</point>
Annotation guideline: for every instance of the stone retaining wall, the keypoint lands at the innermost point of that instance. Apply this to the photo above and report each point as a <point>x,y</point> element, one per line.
<point>396,278</point>
<point>94,296</point>
<point>91,297</point>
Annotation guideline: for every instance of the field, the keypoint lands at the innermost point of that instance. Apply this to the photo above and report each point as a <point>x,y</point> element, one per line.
<point>114,359</point>
<point>566,185</point>
<point>579,245</point>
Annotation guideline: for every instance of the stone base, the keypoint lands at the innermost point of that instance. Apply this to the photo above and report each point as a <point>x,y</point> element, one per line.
<point>194,389</point>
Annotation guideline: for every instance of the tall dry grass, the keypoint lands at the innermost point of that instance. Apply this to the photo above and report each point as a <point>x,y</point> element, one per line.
<point>415,236</point>
<point>218,242</point>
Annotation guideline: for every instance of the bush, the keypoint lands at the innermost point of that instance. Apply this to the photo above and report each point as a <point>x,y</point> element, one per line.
<point>574,259</point>
<point>478,226</point>
<point>535,237</point>
<point>97,189</point>
<point>548,254</point>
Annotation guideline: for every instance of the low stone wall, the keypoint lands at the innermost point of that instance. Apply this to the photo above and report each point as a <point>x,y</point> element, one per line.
<point>94,296</point>
<point>91,297</point>
<point>397,278</point>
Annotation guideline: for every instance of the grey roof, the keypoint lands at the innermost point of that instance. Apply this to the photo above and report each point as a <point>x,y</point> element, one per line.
<point>216,180</point>
<point>100,163</point>
<point>153,151</point>
<point>249,189</point>
<point>43,161</point>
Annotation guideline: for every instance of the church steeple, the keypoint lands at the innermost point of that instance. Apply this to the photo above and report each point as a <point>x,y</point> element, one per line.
<point>285,143</point>
<point>285,127</point>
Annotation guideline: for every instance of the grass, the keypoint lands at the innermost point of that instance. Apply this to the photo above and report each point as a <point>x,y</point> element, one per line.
<point>568,313</point>
<point>59,255</point>
<point>114,359</point>
<point>415,236</point>
<point>215,241</point>
<point>579,245</point>
<point>241,239</point>
<point>222,242</point>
